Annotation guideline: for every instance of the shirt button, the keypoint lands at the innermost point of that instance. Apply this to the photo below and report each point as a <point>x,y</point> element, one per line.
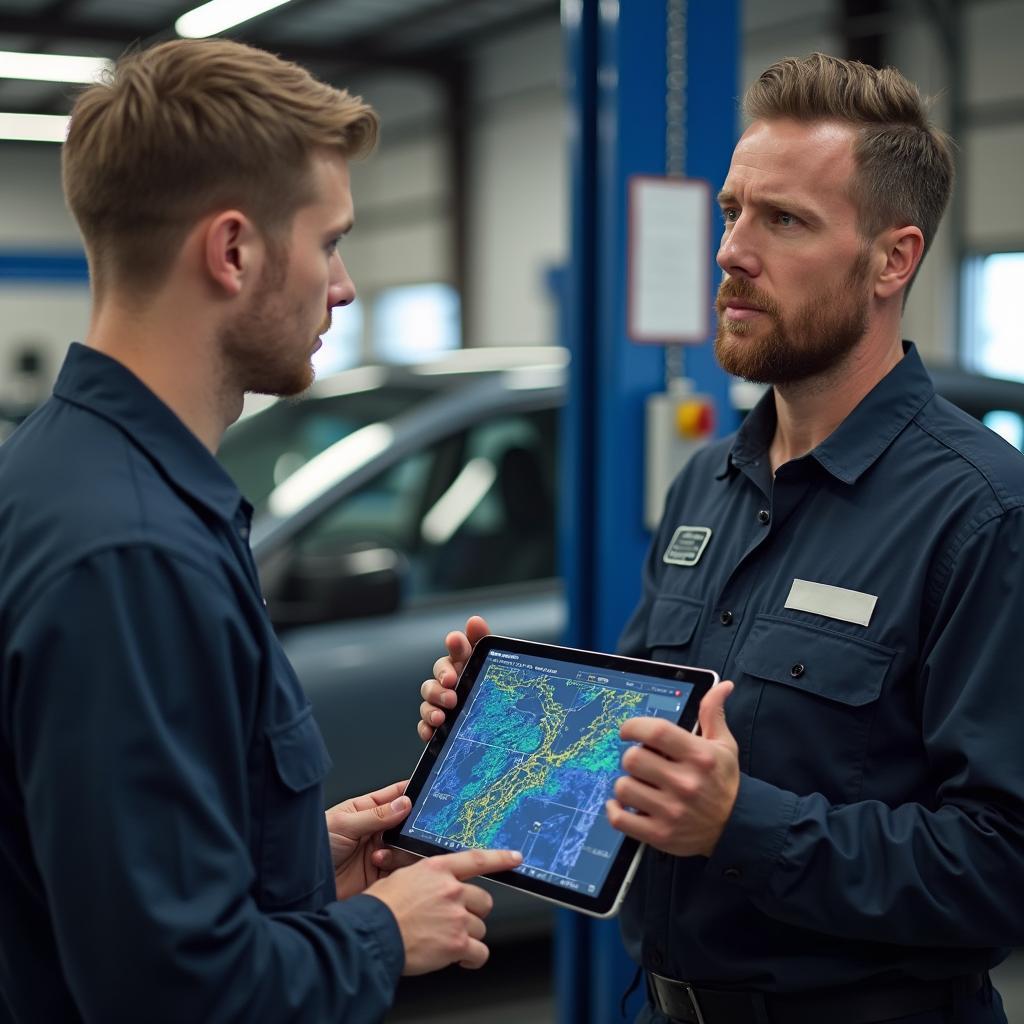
<point>797,670</point>
<point>764,516</point>
<point>732,874</point>
<point>725,618</point>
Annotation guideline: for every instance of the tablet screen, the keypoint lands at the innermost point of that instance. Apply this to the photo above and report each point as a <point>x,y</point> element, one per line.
<point>533,754</point>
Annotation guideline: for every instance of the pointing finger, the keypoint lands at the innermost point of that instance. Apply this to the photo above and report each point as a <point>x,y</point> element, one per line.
<point>470,863</point>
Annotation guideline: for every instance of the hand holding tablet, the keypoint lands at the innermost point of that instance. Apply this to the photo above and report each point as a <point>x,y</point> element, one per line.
<point>528,758</point>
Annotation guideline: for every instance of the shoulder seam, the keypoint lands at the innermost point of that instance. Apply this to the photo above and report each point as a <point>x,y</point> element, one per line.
<point>1000,495</point>
<point>970,529</point>
<point>49,579</point>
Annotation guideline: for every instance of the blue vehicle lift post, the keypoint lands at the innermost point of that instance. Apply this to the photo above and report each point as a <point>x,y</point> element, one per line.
<point>617,70</point>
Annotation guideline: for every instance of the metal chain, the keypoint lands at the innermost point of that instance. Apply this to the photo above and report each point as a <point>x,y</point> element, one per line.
<point>675,88</point>
<point>675,140</point>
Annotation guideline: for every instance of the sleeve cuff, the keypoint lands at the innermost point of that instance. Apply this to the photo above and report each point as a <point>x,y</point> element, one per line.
<point>378,930</point>
<point>752,842</point>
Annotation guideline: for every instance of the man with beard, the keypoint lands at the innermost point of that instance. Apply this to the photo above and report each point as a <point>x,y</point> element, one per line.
<point>165,855</point>
<point>841,843</point>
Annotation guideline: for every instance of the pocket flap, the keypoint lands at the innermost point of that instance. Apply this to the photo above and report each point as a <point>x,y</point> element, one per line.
<point>840,668</point>
<point>299,751</point>
<point>673,620</point>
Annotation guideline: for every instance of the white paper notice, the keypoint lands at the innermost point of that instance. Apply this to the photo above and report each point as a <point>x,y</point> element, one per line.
<point>669,259</point>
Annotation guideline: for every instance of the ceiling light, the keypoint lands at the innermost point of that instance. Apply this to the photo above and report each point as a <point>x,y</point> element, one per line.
<point>217,15</point>
<point>34,127</point>
<point>51,67</point>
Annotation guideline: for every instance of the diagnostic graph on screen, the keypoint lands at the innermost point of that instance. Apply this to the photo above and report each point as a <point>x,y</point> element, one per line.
<point>531,763</point>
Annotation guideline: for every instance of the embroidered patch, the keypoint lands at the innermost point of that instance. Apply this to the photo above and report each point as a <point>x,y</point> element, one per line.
<point>687,545</point>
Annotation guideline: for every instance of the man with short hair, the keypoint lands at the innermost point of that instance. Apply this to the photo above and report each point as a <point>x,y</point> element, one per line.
<point>164,855</point>
<point>848,847</point>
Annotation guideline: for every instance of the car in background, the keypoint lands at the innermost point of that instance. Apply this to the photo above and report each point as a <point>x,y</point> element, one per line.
<point>391,503</point>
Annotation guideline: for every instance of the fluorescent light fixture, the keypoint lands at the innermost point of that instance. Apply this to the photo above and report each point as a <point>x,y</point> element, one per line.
<point>34,127</point>
<point>217,15</point>
<point>51,67</point>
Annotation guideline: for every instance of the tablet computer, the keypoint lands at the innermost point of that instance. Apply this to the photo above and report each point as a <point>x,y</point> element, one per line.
<point>528,757</point>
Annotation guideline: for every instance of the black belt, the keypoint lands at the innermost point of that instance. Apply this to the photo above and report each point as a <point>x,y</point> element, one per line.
<point>689,1004</point>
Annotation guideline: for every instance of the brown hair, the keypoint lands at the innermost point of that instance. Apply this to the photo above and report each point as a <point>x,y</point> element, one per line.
<point>904,163</point>
<point>190,126</point>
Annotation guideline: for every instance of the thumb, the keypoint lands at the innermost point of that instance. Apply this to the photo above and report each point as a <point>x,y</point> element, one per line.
<point>713,725</point>
<point>358,825</point>
<point>476,629</point>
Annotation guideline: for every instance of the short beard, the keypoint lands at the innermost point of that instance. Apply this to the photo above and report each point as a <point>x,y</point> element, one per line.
<point>255,346</point>
<point>818,338</point>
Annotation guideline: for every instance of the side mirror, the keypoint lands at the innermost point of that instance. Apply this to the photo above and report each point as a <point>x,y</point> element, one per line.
<point>325,587</point>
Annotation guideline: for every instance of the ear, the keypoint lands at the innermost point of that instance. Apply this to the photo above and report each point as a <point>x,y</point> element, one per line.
<point>903,249</point>
<point>232,250</point>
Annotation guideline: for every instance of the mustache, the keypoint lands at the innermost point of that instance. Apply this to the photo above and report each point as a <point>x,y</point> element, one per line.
<point>740,288</point>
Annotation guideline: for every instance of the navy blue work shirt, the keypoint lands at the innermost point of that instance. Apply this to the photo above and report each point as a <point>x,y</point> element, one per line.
<point>879,828</point>
<point>163,849</point>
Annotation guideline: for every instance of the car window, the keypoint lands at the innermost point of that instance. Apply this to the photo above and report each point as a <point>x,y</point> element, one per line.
<point>495,522</point>
<point>382,512</point>
<point>264,450</point>
<point>475,510</point>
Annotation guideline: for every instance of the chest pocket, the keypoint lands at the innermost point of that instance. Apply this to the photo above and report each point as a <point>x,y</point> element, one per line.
<point>671,625</point>
<point>293,845</point>
<point>819,691</point>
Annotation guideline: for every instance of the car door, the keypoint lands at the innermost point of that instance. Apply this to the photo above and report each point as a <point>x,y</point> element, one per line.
<point>470,523</point>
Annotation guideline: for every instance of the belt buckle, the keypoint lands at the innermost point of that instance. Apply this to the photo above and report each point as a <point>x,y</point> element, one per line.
<point>694,1002</point>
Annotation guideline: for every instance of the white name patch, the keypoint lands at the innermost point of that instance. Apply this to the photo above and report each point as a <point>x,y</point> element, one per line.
<point>687,545</point>
<point>832,602</point>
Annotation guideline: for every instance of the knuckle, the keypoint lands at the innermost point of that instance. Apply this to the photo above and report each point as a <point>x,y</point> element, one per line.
<point>687,787</point>
<point>660,731</point>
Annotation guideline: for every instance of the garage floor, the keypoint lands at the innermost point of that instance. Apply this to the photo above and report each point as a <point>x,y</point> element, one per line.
<point>517,987</point>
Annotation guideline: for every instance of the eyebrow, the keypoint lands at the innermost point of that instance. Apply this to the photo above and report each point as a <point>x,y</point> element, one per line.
<point>778,202</point>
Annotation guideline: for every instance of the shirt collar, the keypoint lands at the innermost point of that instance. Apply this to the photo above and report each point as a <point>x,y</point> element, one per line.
<point>94,381</point>
<point>861,438</point>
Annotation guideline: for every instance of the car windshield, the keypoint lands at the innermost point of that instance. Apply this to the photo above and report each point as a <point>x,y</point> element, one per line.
<point>263,450</point>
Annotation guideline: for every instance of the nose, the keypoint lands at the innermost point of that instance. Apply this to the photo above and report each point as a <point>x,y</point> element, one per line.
<point>737,253</point>
<point>341,290</point>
